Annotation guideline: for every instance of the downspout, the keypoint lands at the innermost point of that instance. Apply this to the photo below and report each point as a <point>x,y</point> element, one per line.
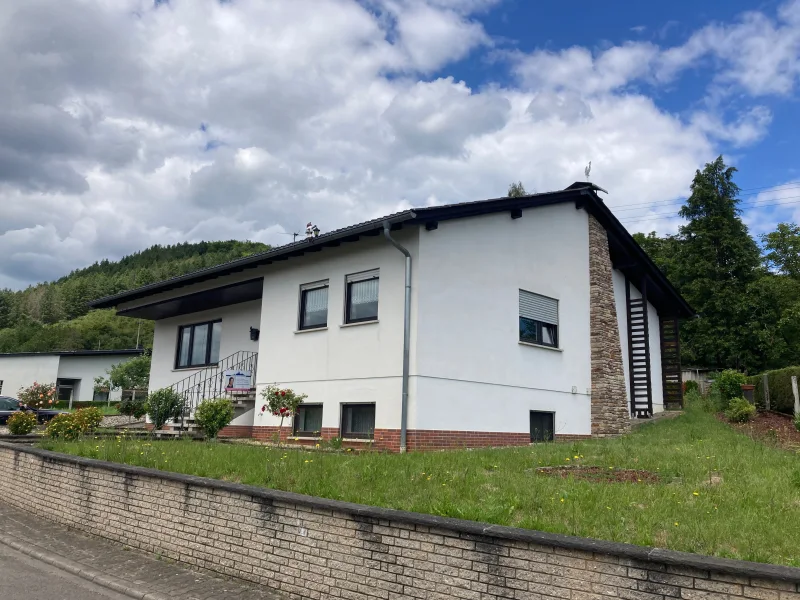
<point>406,335</point>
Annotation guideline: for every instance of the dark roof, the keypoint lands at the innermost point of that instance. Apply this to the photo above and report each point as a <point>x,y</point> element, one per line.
<point>76,353</point>
<point>628,256</point>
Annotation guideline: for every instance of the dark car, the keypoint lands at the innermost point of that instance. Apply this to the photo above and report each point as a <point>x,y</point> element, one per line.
<point>9,406</point>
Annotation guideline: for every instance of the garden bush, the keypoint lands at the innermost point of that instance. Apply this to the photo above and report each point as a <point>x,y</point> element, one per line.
<point>690,385</point>
<point>740,410</point>
<point>88,419</point>
<point>22,423</point>
<point>729,385</point>
<point>212,415</point>
<point>163,405</point>
<point>38,395</point>
<point>133,407</point>
<point>63,426</point>
<point>781,397</point>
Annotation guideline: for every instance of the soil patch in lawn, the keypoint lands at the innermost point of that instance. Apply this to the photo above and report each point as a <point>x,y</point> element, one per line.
<point>770,427</point>
<point>600,475</point>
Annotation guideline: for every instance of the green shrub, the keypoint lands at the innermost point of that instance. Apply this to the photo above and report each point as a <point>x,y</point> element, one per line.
<point>63,426</point>
<point>88,419</point>
<point>163,405</point>
<point>689,386</point>
<point>729,385</point>
<point>740,410</point>
<point>708,403</point>
<point>21,423</point>
<point>133,407</point>
<point>781,398</point>
<point>213,415</point>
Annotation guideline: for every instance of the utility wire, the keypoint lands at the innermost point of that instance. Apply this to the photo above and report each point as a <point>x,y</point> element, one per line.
<point>660,216</point>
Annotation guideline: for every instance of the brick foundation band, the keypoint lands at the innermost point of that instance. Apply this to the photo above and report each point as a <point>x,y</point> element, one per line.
<point>389,439</point>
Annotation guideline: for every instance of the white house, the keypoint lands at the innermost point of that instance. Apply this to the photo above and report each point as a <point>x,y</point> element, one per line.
<point>494,322</point>
<point>72,371</point>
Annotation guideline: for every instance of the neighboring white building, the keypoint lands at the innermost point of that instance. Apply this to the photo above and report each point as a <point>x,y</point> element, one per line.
<point>73,372</point>
<point>525,319</point>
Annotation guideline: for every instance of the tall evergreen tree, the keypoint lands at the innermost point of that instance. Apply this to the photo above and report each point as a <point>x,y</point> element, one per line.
<point>717,261</point>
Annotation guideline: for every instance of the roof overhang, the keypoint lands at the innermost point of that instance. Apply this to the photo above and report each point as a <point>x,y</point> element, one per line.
<point>226,295</point>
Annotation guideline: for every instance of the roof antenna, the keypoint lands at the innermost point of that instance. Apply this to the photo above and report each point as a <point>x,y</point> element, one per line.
<point>588,170</point>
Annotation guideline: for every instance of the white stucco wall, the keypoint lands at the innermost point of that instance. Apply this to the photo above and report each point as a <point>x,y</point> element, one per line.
<point>86,368</point>
<point>22,371</point>
<point>342,363</point>
<point>473,374</point>
<point>657,385</point>
<point>237,319</point>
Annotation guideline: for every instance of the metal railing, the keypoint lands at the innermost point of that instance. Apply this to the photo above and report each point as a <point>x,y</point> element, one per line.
<point>210,382</point>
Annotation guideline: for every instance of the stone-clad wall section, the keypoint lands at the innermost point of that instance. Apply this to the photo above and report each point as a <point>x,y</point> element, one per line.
<point>313,548</point>
<point>610,413</point>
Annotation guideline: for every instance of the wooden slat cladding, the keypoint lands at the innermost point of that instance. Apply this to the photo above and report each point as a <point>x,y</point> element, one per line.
<point>671,364</point>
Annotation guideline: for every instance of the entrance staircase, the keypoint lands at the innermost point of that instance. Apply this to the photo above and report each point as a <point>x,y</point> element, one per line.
<point>210,383</point>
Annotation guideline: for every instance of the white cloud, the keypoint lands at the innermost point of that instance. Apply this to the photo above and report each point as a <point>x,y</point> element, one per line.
<point>327,110</point>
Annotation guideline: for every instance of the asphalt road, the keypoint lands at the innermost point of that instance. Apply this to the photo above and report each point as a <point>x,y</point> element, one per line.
<point>25,578</point>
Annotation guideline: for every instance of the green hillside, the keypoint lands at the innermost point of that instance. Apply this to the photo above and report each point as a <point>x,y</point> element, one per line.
<point>55,315</point>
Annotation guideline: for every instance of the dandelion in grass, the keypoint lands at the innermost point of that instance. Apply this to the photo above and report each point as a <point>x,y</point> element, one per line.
<point>695,493</point>
<point>676,523</point>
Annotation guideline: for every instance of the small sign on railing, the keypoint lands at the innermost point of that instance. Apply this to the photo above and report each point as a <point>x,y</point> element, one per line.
<point>236,380</point>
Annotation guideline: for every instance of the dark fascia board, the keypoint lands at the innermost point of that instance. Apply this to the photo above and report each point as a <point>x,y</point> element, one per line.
<point>603,214</point>
<point>584,194</point>
<point>334,238</point>
<point>126,352</point>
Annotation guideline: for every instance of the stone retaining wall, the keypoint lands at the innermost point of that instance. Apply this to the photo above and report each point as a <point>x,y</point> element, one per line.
<point>315,548</point>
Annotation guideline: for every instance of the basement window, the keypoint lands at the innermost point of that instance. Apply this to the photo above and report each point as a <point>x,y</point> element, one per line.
<point>538,319</point>
<point>362,297</point>
<point>313,305</point>
<point>198,345</point>
<point>358,421</point>
<point>308,420</point>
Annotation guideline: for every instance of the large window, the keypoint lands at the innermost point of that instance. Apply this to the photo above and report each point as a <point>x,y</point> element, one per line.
<point>198,345</point>
<point>358,421</point>
<point>314,305</point>
<point>362,297</point>
<point>308,420</point>
<point>538,319</point>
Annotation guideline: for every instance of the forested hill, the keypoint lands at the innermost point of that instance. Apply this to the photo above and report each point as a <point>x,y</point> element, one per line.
<point>55,315</point>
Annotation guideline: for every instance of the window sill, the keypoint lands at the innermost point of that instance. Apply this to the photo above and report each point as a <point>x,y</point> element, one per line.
<point>299,437</point>
<point>374,321</point>
<point>195,368</point>
<point>543,347</point>
<point>312,330</point>
<point>359,440</point>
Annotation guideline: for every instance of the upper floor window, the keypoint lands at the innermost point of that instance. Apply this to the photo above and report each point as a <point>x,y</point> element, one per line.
<point>538,319</point>
<point>313,305</point>
<point>362,297</point>
<point>198,344</point>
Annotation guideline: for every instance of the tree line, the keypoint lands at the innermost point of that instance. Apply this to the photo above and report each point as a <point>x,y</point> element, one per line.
<point>746,291</point>
<point>56,316</point>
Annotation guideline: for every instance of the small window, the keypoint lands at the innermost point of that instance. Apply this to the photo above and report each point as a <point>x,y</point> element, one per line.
<point>362,297</point>
<point>538,319</point>
<point>358,421</point>
<point>99,396</point>
<point>198,345</point>
<point>542,426</point>
<point>308,420</point>
<point>313,305</point>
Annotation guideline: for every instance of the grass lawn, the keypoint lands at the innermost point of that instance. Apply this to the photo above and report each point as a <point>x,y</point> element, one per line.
<point>718,492</point>
<point>108,411</point>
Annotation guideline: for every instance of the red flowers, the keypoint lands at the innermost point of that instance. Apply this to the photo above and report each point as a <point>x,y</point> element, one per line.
<point>283,392</point>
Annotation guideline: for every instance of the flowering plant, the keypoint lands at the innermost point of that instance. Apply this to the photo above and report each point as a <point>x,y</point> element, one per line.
<point>281,402</point>
<point>38,395</point>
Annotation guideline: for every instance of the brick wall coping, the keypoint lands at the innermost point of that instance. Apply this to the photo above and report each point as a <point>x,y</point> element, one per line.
<point>645,553</point>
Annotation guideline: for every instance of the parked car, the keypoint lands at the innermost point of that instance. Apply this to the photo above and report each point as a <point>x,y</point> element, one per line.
<point>9,406</point>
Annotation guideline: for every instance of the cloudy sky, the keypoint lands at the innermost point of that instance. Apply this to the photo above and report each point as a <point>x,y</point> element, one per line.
<point>125,123</point>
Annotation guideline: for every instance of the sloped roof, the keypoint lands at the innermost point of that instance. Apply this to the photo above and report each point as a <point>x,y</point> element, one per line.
<point>626,253</point>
